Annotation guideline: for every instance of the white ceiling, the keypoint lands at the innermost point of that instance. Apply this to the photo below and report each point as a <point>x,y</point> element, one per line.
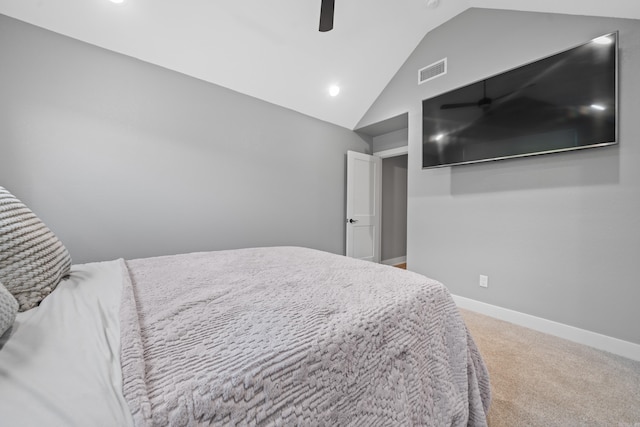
<point>272,49</point>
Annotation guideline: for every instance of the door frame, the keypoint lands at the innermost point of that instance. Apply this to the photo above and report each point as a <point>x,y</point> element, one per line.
<point>392,152</point>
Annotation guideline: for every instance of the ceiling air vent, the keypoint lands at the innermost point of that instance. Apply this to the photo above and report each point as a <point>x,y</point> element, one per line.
<point>432,71</point>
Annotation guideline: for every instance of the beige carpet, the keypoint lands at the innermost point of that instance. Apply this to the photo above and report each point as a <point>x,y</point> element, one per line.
<point>542,380</point>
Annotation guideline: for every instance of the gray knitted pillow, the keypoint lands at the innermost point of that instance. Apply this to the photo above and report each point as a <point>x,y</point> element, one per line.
<point>32,259</point>
<point>8,309</point>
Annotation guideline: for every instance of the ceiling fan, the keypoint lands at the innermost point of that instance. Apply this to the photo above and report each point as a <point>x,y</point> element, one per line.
<point>484,103</point>
<point>326,15</point>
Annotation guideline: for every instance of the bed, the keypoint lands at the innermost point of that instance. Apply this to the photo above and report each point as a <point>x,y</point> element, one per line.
<point>257,336</point>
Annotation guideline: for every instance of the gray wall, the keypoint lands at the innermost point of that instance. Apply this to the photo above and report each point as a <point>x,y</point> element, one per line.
<point>394,207</point>
<point>558,235</point>
<point>125,159</point>
<point>388,141</point>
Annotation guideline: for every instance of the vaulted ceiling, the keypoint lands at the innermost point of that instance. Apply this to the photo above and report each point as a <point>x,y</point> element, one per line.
<point>272,49</point>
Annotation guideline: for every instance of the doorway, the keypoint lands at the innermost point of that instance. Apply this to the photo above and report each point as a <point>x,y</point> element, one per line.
<point>390,142</point>
<point>376,228</point>
<point>393,222</point>
<point>393,249</point>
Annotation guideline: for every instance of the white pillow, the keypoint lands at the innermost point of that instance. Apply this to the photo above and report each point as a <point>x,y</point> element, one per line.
<point>8,309</point>
<point>32,259</point>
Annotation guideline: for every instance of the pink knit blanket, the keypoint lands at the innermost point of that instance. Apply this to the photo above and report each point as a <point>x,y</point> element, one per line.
<point>293,336</point>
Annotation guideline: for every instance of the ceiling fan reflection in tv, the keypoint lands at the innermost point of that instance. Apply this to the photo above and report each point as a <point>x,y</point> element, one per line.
<point>483,103</point>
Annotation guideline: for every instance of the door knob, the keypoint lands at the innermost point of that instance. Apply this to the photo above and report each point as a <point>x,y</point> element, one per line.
<point>351,220</point>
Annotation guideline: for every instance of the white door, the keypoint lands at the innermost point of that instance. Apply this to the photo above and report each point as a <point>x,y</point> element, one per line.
<point>364,193</point>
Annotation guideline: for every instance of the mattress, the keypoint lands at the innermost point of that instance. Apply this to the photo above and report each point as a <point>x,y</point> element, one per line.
<point>260,336</point>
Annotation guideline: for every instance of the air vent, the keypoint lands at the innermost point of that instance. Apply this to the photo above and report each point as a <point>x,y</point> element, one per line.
<point>432,71</point>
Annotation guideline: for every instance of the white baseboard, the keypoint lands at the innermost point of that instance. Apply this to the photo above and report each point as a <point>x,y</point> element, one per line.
<point>581,336</point>
<point>394,261</point>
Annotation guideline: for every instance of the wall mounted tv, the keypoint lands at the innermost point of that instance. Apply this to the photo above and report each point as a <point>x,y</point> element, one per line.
<point>563,102</point>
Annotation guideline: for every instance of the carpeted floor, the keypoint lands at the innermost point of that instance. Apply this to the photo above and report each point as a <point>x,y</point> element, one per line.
<point>542,380</point>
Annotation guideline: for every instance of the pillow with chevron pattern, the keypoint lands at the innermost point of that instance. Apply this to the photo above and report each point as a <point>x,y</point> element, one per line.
<point>8,309</point>
<point>32,259</point>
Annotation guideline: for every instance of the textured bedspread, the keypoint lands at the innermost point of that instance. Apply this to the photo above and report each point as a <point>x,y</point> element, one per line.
<point>293,336</point>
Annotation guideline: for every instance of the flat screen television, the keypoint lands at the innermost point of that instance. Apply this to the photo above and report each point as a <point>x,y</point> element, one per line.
<point>563,102</point>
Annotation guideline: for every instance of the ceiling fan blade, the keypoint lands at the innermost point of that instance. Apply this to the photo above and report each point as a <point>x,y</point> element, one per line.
<point>326,15</point>
<point>458,105</point>
<point>482,102</point>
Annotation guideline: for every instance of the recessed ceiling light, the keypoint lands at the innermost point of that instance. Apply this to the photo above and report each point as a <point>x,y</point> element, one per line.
<point>117,1</point>
<point>598,107</point>
<point>334,90</point>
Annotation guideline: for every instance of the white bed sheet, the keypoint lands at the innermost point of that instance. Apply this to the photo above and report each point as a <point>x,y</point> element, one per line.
<point>58,371</point>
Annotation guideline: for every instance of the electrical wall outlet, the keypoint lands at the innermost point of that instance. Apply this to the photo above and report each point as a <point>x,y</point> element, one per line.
<point>484,281</point>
